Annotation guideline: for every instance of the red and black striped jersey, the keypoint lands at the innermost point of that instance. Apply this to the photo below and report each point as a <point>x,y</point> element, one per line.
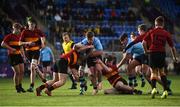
<point>112,76</point>
<point>32,36</point>
<point>13,41</point>
<point>71,56</point>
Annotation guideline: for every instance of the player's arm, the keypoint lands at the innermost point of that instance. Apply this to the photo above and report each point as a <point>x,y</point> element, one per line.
<point>144,43</point>
<point>4,44</point>
<point>173,52</point>
<point>173,49</point>
<point>106,68</point>
<point>23,53</point>
<point>125,58</point>
<point>43,39</point>
<point>80,47</point>
<point>129,46</point>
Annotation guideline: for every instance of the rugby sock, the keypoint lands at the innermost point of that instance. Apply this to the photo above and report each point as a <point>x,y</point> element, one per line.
<point>42,87</point>
<point>82,83</point>
<point>17,87</point>
<point>32,85</point>
<point>142,78</point>
<point>44,80</point>
<point>95,88</point>
<point>51,88</point>
<point>134,79</point>
<point>153,82</point>
<point>130,80</point>
<point>72,79</point>
<point>164,82</point>
<point>20,85</point>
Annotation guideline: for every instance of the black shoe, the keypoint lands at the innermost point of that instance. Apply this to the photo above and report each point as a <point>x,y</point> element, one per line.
<point>74,86</point>
<point>138,92</point>
<point>170,92</point>
<point>30,89</point>
<point>143,83</point>
<point>22,90</point>
<point>18,91</point>
<point>81,93</point>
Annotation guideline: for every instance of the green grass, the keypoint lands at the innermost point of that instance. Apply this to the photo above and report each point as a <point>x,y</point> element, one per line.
<point>65,97</point>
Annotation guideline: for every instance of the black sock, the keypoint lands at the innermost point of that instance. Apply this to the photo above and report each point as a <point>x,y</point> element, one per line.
<point>153,82</point>
<point>17,87</point>
<point>51,88</point>
<point>32,85</point>
<point>72,79</point>
<point>134,79</point>
<point>44,80</point>
<point>95,88</point>
<point>149,81</point>
<point>130,81</point>
<point>142,78</point>
<point>20,85</point>
<point>164,82</point>
<point>42,86</point>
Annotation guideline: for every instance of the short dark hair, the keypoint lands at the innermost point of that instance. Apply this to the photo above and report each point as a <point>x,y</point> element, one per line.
<point>109,58</point>
<point>142,27</point>
<point>65,33</point>
<point>159,21</point>
<point>123,36</point>
<point>17,25</point>
<point>90,34</point>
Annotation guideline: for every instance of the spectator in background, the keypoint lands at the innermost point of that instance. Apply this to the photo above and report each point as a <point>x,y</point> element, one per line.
<point>113,14</point>
<point>57,18</point>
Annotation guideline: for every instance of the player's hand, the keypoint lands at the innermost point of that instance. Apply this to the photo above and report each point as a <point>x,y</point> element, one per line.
<point>31,44</point>
<point>90,46</point>
<point>25,60</point>
<point>124,51</point>
<point>97,61</point>
<point>175,59</point>
<point>12,50</point>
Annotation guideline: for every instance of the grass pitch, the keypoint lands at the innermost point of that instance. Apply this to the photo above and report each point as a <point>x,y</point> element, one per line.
<point>66,97</point>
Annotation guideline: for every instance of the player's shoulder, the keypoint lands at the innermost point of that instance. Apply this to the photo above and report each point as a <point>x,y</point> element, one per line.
<point>166,32</point>
<point>37,30</point>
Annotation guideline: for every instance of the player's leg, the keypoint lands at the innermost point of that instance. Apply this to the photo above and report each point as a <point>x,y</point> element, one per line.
<point>111,91</point>
<point>49,72</point>
<point>61,82</point>
<point>82,80</point>
<point>154,77</point>
<point>21,67</point>
<point>99,76</point>
<point>16,71</point>
<point>164,82</point>
<point>131,72</point>
<point>47,84</point>
<point>62,67</point>
<point>121,85</point>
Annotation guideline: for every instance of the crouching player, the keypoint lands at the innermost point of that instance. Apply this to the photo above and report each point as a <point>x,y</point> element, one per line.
<point>60,74</point>
<point>119,84</point>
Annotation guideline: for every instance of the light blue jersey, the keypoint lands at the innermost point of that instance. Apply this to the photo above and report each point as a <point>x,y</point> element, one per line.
<point>136,50</point>
<point>96,42</point>
<point>46,54</point>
